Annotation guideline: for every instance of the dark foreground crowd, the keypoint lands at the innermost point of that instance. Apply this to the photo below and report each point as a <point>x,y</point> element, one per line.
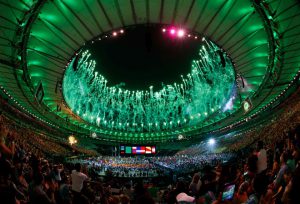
<point>265,175</point>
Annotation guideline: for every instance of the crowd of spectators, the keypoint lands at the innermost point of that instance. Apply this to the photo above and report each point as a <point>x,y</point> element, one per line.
<point>38,142</point>
<point>120,166</point>
<point>258,178</point>
<point>265,169</point>
<point>27,175</point>
<point>29,140</point>
<point>189,163</point>
<point>151,166</point>
<point>273,130</point>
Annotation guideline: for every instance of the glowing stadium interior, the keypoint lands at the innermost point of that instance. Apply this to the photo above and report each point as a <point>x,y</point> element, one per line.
<point>43,47</point>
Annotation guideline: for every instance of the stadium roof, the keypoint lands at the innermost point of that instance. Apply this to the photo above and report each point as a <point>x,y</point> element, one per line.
<point>38,38</point>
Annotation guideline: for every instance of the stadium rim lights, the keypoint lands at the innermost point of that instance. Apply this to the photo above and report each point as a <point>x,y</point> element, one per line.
<point>33,115</point>
<point>178,32</point>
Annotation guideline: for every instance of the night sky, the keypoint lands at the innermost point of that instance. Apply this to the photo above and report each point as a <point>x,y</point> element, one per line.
<point>143,56</point>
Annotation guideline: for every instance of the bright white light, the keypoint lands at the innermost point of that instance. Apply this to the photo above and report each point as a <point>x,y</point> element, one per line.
<point>211,141</point>
<point>180,33</point>
<point>163,30</point>
<point>114,33</point>
<point>94,135</point>
<point>72,140</point>
<point>122,31</point>
<point>98,120</point>
<point>172,31</point>
<point>229,104</point>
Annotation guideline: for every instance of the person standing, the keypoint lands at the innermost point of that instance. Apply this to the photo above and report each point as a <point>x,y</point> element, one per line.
<point>195,185</point>
<point>78,179</point>
<point>262,162</point>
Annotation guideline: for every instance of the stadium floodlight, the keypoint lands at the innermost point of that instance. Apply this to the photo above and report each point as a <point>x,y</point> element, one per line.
<point>72,140</point>
<point>211,141</point>
<point>180,33</point>
<point>172,31</point>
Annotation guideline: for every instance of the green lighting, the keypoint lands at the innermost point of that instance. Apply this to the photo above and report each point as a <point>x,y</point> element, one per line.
<point>35,75</point>
<point>206,89</point>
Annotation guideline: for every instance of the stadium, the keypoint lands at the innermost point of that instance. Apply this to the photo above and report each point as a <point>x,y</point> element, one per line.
<point>150,101</point>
